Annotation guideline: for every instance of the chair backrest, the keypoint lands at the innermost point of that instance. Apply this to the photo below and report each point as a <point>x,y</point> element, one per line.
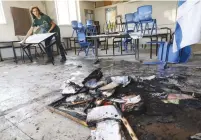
<point>74,24</point>
<point>129,23</point>
<point>81,27</point>
<point>145,12</point>
<point>89,22</point>
<point>129,18</point>
<point>135,17</point>
<point>90,28</point>
<point>81,37</point>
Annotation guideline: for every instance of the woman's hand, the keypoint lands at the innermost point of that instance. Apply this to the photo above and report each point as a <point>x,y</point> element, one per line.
<point>52,27</point>
<point>23,41</point>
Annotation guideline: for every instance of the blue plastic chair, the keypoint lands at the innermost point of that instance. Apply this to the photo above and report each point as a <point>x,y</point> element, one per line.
<point>89,22</point>
<point>136,21</point>
<point>83,43</point>
<point>145,19</point>
<point>90,28</point>
<point>81,27</point>
<point>129,20</point>
<point>166,54</point>
<point>74,25</point>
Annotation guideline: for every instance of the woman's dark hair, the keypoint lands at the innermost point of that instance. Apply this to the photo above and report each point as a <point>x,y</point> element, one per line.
<point>31,11</point>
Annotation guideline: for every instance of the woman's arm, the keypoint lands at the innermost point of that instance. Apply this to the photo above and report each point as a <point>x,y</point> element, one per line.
<point>52,27</point>
<point>30,32</point>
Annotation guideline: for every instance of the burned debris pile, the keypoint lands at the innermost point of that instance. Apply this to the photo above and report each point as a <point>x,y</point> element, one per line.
<point>124,107</point>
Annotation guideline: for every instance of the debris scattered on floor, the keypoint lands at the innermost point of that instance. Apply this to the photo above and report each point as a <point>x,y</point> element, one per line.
<point>107,130</point>
<point>101,113</point>
<point>123,80</point>
<point>178,96</point>
<point>97,61</point>
<point>148,78</point>
<point>196,137</point>
<point>69,88</point>
<point>150,103</point>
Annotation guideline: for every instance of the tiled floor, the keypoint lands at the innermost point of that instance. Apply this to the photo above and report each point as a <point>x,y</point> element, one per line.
<point>27,88</point>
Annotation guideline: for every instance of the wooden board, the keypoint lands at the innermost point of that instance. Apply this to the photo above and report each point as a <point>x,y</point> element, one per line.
<point>21,19</point>
<point>53,107</point>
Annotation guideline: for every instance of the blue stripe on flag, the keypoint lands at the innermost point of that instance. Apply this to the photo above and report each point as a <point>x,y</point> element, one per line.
<point>186,51</point>
<point>180,2</point>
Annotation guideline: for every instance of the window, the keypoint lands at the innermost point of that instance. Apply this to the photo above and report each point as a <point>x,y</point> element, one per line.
<point>67,10</point>
<point>2,16</point>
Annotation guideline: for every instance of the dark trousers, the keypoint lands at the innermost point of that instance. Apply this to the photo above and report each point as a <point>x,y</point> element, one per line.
<point>58,43</point>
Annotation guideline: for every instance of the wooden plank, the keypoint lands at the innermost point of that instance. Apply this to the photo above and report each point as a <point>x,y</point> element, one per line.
<point>52,109</point>
<point>21,20</point>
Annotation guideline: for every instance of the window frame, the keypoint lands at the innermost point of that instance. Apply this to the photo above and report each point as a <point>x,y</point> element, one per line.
<point>77,12</point>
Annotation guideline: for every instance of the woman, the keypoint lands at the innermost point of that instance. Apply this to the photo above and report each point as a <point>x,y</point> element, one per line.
<point>46,25</point>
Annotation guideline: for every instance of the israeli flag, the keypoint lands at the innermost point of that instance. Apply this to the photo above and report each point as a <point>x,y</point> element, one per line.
<point>188,26</point>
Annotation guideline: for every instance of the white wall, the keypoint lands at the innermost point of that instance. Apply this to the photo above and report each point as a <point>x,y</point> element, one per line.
<point>85,5</point>
<point>163,11</point>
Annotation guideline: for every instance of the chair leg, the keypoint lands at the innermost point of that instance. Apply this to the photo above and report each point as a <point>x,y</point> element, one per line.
<point>113,46</point>
<point>1,59</point>
<point>93,49</point>
<point>21,52</point>
<point>37,52</point>
<point>87,51</point>
<point>118,47</point>
<point>79,51</point>
<point>126,47</point>
<point>65,48</point>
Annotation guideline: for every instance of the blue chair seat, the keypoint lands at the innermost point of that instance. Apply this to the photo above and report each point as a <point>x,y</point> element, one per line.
<point>148,20</point>
<point>85,44</point>
<point>154,63</point>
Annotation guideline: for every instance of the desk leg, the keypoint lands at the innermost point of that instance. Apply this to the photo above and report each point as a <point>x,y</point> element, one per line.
<point>46,52</point>
<point>135,48</point>
<point>106,39</point>
<point>156,45</point>
<point>113,46</point>
<point>27,53</point>
<point>75,46</point>
<point>14,52</point>
<point>138,49</point>
<point>1,59</point>
<point>121,45</point>
<point>70,42</point>
<point>151,49</point>
<point>67,44</point>
<point>96,48</point>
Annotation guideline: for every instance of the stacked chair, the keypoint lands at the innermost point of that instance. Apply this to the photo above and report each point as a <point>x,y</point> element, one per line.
<point>146,20</point>
<point>81,32</point>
